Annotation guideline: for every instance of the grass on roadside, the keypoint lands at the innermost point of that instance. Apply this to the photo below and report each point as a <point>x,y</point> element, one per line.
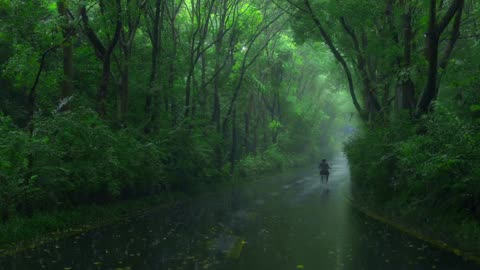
<point>27,232</point>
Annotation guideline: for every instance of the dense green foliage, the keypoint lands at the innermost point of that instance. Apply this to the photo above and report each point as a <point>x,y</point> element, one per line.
<point>108,100</point>
<point>413,66</point>
<point>430,179</point>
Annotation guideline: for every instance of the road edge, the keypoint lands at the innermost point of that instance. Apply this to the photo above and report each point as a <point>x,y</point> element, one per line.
<point>414,233</point>
<point>125,213</point>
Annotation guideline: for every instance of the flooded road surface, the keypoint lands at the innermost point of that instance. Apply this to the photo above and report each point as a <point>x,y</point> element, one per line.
<point>283,222</point>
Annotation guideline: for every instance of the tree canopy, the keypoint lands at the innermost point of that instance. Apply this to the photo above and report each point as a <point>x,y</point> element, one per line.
<point>103,100</point>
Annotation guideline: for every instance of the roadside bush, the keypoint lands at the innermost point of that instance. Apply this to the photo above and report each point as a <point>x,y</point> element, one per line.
<point>370,157</point>
<point>272,159</point>
<point>74,158</point>
<point>252,165</point>
<point>14,165</point>
<point>85,165</point>
<point>439,167</point>
<point>190,158</point>
<point>431,165</point>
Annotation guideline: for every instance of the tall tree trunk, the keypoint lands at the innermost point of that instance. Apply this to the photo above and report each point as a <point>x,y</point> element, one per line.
<point>255,136</point>
<point>129,28</point>
<point>433,38</point>
<point>248,116</point>
<point>430,92</point>
<point>216,105</point>
<point>195,96</point>
<point>407,87</point>
<point>104,54</point>
<point>246,139</point>
<point>455,34</point>
<point>102,91</point>
<point>202,90</point>
<point>151,111</point>
<point>171,72</point>
<point>124,89</point>
<point>188,91</point>
<point>371,101</point>
<point>217,80</point>
<point>233,151</point>
<point>68,71</point>
<point>273,117</point>
<point>201,16</point>
<point>32,94</point>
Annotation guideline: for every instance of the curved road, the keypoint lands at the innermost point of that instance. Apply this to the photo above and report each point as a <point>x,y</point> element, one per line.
<point>286,222</point>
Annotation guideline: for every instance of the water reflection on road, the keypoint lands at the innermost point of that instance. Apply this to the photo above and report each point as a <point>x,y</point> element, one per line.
<point>286,222</point>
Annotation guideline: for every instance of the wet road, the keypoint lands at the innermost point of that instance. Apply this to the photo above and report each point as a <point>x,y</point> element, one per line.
<point>286,222</point>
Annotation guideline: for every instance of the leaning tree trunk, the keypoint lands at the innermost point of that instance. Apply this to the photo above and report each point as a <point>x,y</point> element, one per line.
<point>328,40</point>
